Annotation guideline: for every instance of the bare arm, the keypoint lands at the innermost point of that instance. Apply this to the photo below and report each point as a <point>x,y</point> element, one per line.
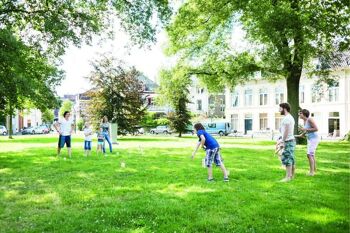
<point>286,132</point>
<point>72,128</point>
<point>200,143</point>
<point>313,126</point>
<point>57,127</point>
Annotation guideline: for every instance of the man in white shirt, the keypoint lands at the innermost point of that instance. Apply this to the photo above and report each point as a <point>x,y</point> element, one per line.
<point>288,141</point>
<point>65,128</point>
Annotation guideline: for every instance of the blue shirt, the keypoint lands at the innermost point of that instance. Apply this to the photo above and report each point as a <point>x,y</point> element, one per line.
<point>210,142</point>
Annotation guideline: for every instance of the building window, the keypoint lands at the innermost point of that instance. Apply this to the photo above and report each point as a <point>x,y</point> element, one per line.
<point>278,120</point>
<point>235,96</point>
<point>279,95</point>
<point>200,90</point>
<point>248,97</point>
<point>333,124</point>
<point>333,93</point>
<point>263,96</point>
<point>234,121</point>
<point>315,95</point>
<point>301,94</point>
<point>199,105</point>
<point>263,121</point>
<point>222,104</point>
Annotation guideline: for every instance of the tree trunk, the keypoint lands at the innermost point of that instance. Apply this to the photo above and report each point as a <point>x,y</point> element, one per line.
<point>293,81</point>
<point>10,122</point>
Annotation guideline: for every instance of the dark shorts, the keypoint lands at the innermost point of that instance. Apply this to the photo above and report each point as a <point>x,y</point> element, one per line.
<point>288,157</point>
<point>87,145</point>
<point>213,155</point>
<point>64,140</point>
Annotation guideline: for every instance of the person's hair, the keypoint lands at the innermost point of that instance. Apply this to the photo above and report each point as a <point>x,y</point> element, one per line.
<point>199,126</point>
<point>65,113</point>
<point>104,119</point>
<point>305,112</point>
<point>285,106</point>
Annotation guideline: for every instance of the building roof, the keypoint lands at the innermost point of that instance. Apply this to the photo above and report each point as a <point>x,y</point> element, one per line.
<point>149,85</point>
<point>338,60</point>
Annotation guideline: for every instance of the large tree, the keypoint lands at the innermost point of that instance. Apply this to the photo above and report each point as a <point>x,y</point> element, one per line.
<point>174,90</point>
<point>35,33</point>
<point>51,24</point>
<point>26,76</point>
<point>117,94</point>
<point>284,36</point>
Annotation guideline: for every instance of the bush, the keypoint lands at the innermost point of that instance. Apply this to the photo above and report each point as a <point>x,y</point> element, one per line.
<point>162,121</point>
<point>80,124</point>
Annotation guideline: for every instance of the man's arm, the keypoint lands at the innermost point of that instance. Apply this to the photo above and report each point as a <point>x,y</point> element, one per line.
<point>57,127</point>
<point>286,132</point>
<point>72,128</point>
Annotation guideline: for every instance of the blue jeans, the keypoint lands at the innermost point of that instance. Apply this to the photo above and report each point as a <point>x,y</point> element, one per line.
<point>108,141</point>
<point>87,145</point>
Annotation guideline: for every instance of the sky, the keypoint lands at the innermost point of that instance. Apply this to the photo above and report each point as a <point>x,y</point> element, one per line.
<point>76,61</point>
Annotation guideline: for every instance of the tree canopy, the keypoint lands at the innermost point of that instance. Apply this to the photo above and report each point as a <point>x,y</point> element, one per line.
<point>283,35</point>
<point>174,90</point>
<point>117,94</point>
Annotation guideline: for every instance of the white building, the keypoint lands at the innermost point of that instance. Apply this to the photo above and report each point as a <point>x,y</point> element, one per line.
<point>253,107</point>
<point>25,118</point>
<point>204,103</point>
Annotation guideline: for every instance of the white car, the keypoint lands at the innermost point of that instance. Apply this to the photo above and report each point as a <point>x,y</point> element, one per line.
<point>161,129</point>
<point>3,130</point>
<point>41,129</point>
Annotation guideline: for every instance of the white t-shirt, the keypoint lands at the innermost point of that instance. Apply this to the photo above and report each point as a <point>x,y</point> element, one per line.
<point>88,134</point>
<point>288,120</point>
<point>65,126</point>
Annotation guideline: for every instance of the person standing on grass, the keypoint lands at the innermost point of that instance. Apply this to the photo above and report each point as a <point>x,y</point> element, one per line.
<point>212,148</point>
<point>65,128</point>
<point>288,141</point>
<point>88,138</point>
<point>106,133</point>
<point>100,142</point>
<point>310,129</point>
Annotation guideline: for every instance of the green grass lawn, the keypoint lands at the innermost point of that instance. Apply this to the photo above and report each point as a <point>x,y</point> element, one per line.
<point>162,190</point>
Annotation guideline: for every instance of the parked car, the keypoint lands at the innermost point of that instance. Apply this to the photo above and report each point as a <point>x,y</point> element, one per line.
<point>42,129</point>
<point>3,130</point>
<point>28,130</point>
<point>161,129</point>
<point>221,128</point>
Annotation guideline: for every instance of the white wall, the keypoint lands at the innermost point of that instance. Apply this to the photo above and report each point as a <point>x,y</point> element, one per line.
<point>321,109</point>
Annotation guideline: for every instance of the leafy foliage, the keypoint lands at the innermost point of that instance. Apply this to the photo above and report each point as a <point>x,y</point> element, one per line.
<point>49,24</point>
<point>284,36</point>
<point>47,116</point>
<point>25,76</point>
<point>67,105</point>
<point>116,94</point>
<point>174,87</point>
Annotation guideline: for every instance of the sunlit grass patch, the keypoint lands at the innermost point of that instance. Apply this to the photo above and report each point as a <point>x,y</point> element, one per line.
<point>150,184</point>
